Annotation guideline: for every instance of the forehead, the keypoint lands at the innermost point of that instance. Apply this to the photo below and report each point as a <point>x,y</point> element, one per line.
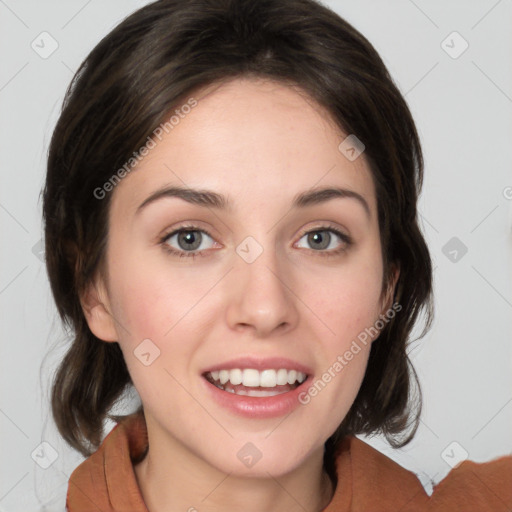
<point>251,140</point>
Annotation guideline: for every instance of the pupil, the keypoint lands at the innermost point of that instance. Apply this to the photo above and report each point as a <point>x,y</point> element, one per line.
<point>317,237</point>
<point>190,240</point>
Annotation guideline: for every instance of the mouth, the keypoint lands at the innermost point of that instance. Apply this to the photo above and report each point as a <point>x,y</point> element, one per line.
<point>257,388</point>
<point>256,383</point>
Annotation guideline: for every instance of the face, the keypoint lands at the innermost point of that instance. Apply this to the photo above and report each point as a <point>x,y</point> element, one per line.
<point>256,287</point>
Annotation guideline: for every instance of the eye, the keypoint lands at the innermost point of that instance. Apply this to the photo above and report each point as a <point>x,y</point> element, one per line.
<point>190,241</point>
<point>187,239</point>
<point>322,238</point>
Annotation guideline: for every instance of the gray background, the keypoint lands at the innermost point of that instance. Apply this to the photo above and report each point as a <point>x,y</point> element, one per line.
<point>463,108</point>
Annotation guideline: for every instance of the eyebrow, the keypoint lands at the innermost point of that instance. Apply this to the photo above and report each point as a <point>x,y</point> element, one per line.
<point>209,199</point>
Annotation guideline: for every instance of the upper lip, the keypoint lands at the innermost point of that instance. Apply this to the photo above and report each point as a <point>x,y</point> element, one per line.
<point>257,363</point>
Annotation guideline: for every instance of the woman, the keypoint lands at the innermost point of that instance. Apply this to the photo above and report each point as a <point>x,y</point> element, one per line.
<point>231,228</point>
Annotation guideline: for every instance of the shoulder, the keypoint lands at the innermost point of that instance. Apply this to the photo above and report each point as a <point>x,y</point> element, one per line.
<point>106,480</point>
<point>369,480</point>
<point>88,482</point>
<point>475,486</point>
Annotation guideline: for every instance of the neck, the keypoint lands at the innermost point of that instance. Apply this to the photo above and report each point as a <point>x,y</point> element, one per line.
<point>173,478</point>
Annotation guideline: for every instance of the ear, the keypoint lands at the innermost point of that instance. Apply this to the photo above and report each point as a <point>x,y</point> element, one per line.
<point>96,308</point>
<point>387,301</point>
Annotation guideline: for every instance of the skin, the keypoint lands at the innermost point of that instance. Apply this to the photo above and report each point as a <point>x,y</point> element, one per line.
<point>259,143</point>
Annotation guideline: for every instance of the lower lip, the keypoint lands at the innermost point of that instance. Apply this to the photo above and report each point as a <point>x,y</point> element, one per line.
<point>258,407</point>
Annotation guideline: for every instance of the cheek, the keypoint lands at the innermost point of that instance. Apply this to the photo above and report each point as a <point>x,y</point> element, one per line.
<point>152,306</point>
<point>149,299</point>
<point>154,302</point>
<point>348,303</point>
<point>348,307</point>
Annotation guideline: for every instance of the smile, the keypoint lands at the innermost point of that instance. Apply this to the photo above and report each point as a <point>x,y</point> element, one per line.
<point>257,387</point>
<point>255,383</point>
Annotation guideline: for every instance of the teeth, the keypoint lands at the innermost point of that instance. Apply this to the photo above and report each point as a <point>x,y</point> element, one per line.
<point>268,379</point>
<point>282,377</point>
<point>236,377</point>
<point>292,376</point>
<point>252,378</point>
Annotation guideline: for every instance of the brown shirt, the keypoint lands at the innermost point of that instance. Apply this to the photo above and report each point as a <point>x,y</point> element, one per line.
<point>367,480</point>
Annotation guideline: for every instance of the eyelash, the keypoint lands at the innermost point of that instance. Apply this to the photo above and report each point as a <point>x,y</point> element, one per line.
<point>190,228</point>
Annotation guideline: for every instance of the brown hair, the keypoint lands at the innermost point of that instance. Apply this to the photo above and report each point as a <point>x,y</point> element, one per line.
<point>123,91</point>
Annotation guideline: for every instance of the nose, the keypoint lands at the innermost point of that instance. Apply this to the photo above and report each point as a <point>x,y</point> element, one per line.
<point>261,297</point>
